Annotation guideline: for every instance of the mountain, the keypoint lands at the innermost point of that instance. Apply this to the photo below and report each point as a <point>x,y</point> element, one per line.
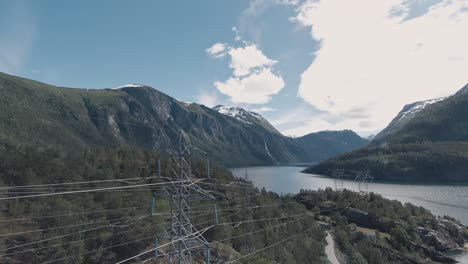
<point>426,141</point>
<point>135,115</point>
<point>330,143</point>
<point>247,117</point>
<point>404,116</point>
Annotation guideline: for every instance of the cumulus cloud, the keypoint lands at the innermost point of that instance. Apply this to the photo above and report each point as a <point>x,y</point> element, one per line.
<point>207,99</point>
<point>304,119</point>
<point>253,80</point>
<point>218,50</point>
<point>245,59</point>
<point>256,88</point>
<point>313,125</point>
<point>264,109</point>
<point>372,60</point>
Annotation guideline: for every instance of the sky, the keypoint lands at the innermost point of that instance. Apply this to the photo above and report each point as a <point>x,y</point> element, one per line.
<point>305,65</point>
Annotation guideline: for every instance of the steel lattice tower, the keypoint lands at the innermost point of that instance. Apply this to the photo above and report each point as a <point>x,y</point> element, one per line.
<point>183,235</point>
<point>338,175</point>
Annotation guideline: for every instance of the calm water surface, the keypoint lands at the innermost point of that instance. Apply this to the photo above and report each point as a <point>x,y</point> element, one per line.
<point>439,198</point>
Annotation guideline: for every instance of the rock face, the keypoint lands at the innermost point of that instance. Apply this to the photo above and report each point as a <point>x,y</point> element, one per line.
<point>140,116</point>
<point>365,219</point>
<point>358,217</point>
<point>440,241</point>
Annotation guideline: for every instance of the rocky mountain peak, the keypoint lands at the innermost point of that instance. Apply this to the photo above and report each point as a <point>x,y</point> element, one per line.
<point>245,116</point>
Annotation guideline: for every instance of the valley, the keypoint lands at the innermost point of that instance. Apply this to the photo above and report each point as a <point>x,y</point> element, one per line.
<point>54,137</point>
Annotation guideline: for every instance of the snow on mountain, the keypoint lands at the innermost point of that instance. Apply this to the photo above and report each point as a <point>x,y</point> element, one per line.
<point>235,112</point>
<point>417,107</point>
<point>406,114</point>
<point>245,116</point>
<point>184,103</point>
<point>130,85</point>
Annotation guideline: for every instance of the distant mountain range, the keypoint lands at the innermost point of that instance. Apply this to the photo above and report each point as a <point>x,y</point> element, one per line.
<point>426,141</point>
<point>42,115</point>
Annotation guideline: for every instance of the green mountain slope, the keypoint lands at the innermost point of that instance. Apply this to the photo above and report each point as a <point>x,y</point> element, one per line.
<point>430,145</point>
<point>34,113</point>
<point>330,143</point>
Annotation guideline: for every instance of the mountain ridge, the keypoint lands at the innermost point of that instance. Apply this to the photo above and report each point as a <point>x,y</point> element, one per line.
<point>429,145</point>
<point>138,116</point>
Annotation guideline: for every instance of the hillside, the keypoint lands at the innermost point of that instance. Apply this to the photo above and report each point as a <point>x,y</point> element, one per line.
<point>34,113</point>
<point>330,143</point>
<point>109,226</point>
<point>427,141</point>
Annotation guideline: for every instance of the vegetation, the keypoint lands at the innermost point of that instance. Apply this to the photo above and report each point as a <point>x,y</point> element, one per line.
<point>142,117</point>
<point>54,135</point>
<point>431,146</point>
<point>425,161</point>
<point>379,231</point>
<point>73,235</point>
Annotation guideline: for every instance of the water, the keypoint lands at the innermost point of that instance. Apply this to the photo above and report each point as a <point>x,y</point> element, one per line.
<point>441,199</point>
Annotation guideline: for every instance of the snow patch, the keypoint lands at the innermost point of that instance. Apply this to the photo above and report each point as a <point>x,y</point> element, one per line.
<point>131,85</point>
<point>245,116</point>
<point>419,106</point>
<point>235,112</point>
<point>184,103</point>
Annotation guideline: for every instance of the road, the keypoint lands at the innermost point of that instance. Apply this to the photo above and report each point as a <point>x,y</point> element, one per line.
<point>330,249</point>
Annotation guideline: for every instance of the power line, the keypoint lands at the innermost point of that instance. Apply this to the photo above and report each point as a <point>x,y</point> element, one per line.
<point>74,241</point>
<point>89,252</point>
<point>86,191</point>
<point>106,189</point>
<point>139,207</point>
<point>197,233</point>
<point>125,220</point>
<point>237,224</point>
<point>256,220</point>
<point>289,238</point>
<point>75,225</point>
<point>109,247</point>
<point>81,182</point>
<point>82,231</point>
<point>272,245</point>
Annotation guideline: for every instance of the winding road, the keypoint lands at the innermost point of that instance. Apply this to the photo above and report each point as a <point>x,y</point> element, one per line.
<point>330,249</point>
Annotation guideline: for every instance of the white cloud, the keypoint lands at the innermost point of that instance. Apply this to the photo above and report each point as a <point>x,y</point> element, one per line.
<point>322,122</point>
<point>236,31</point>
<point>256,88</point>
<point>263,109</point>
<point>376,62</point>
<point>218,50</point>
<point>245,59</point>
<point>207,99</point>
<point>253,80</point>
<point>304,119</point>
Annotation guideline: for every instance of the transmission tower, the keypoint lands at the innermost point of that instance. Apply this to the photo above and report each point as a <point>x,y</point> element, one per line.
<point>338,175</point>
<point>183,235</point>
<point>363,178</point>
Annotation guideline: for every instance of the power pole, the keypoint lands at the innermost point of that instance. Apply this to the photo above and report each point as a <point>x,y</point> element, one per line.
<point>183,235</point>
<point>338,175</point>
<point>363,178</point>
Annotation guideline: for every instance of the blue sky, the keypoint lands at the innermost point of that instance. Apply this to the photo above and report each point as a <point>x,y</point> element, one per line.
<point>304,64</point>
